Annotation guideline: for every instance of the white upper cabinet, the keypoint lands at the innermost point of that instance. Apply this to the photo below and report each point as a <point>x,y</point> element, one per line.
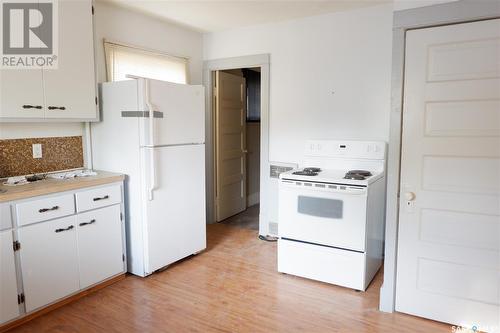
<point>70,90</point>
<point>21,94</point>
<point>67,92</point>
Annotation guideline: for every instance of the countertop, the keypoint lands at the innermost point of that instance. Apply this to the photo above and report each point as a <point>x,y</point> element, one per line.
<point>49,185</point>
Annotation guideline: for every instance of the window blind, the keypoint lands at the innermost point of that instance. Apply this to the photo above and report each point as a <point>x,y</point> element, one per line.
<point>122,60</point>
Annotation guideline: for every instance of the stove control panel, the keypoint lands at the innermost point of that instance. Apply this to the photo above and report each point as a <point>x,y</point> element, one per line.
<point>325,187</point>
<point>374,150</point>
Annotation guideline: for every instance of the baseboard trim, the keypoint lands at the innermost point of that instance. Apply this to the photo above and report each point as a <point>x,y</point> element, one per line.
<point>72,298</point>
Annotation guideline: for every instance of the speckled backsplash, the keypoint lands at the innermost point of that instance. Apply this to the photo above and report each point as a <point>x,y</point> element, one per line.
<point>59,153</point>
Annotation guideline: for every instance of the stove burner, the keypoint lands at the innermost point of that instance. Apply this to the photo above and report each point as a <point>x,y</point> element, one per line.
<point>357,174</point>
<point>305,173</point>
<point>312,169</point>
<point>354,176</point>
<point>360,172</point>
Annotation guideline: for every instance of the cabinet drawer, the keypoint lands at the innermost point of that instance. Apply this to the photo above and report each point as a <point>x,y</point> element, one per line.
<point>44,209</point>
<point>322,263</point>
<point>98,197</point>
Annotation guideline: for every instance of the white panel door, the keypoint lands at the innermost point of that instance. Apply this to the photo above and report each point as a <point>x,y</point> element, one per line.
<point>100,247</point>
<point>70,90</point>
<point>181,111</point>
<point>230,145</point>
<point>49,261</point>
<point>176,220</point>
<point>449,231</point>
<point>9,309</point>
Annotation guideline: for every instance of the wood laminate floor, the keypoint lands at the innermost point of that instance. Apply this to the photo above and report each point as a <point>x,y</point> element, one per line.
<point>231,287</point>
<point>248,219</point>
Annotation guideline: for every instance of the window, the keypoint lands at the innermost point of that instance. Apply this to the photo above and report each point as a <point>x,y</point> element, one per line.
<point>124,60</point>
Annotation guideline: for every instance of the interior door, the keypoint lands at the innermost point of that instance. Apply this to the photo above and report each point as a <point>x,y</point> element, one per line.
<point>9,308</point>
<point>230,144</point>
<point>449,221</point>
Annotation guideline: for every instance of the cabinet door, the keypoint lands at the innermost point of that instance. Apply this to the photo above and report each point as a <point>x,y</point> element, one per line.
<point>21,93</point>
<point>49,261</point>
<point>70,90</point>
<point>100,246</point>
<point>9,309</point>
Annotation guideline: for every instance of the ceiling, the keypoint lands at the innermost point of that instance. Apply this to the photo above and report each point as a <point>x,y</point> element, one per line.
<point>209,16</point>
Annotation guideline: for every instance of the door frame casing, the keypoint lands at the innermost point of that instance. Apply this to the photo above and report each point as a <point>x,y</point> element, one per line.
<point>209,66</point>
<point>456,12</point>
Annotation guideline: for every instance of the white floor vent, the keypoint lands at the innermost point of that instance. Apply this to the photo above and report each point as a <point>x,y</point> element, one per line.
<point>273,229</point>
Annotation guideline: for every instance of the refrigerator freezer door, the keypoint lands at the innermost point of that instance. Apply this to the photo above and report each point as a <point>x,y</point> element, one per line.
<point>176,220</point>
<point>179,116</point>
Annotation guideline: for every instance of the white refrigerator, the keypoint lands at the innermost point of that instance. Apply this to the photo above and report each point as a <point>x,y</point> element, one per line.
<point>154,133</point>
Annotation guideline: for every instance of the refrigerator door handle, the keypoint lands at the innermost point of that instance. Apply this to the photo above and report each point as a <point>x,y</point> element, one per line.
<point>152,174</point>
<point>152,161</point>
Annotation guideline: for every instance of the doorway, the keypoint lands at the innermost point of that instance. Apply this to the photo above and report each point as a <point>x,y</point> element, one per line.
<point>236,136</point>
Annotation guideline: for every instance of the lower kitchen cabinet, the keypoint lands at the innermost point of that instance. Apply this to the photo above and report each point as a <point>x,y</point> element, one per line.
<point>9,308</point>
<point>57,245</point>
<point>100,249</point>
<point>49,261</point>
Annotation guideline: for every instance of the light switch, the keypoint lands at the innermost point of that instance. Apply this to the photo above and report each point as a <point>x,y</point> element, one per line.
<point>37,150</point>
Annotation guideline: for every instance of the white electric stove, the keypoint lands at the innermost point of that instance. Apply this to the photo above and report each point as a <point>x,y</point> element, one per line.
<point>331,213</point>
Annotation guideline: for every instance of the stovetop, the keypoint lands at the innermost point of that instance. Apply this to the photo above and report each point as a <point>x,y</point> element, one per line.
<point>333,176</point>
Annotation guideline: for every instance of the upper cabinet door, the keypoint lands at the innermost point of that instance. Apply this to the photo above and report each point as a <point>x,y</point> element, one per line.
<point>21,89</point>
<point>21,93</point>
<point>70,90</point>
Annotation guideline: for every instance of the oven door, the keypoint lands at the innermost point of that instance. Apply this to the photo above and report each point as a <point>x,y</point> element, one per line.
<point>324,214</point>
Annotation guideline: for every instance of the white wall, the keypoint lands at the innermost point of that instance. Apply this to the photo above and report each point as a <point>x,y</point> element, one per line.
<point>128,27</point>
<point>330,78</point>
<point>123,25</point>
<point>408,4</point>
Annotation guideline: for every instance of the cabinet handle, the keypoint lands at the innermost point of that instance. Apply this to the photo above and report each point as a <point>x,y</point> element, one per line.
<point>101,198</point>
<point>27,106</point>
<point>87,223</point>
<point>65,229</point>
<point>57,108</point>
<point>43,210</point>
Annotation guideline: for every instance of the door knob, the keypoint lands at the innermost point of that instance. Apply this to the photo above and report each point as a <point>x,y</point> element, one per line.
<point>410,196</point>
<point>245,151</point>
